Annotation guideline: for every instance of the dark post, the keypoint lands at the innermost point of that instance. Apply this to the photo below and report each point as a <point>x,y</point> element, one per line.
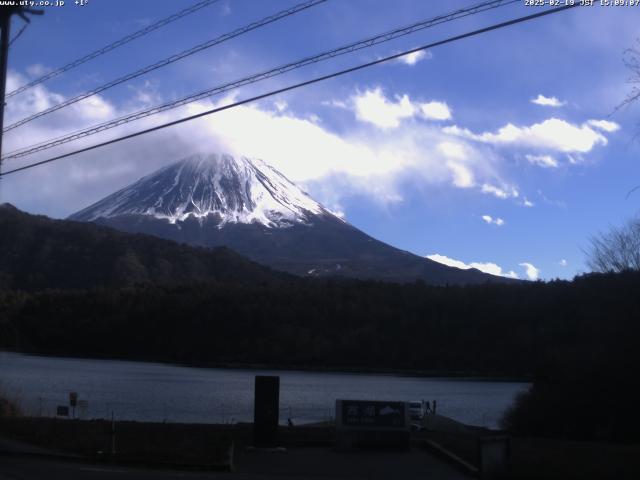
<point>113,435</point>
<point>5,24</point>
<point>73,401</point>
<point>266,411</point>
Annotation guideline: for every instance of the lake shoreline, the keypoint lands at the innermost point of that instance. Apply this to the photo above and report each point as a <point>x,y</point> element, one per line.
<point>146,391</point>
<point>468,376</point>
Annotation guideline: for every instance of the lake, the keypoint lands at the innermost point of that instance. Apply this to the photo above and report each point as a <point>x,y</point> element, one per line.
<point>161,392</point>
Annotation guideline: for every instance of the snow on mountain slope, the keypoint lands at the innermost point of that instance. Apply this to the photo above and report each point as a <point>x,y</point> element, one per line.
<point>243,204</point>
<point>237,190</point>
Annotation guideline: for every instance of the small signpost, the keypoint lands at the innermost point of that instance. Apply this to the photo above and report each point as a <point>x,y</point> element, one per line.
<point>73,401</point>
<point>372,424</point>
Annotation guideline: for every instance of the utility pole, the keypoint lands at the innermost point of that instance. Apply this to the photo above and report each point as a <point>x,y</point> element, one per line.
<point>5,25</point>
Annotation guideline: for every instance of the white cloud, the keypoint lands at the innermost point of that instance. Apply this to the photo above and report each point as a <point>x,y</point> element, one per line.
<point>493,269</point>
<point>462,176</point>
<point>435,110</point>
<point>527,203</point>
<point>604,125</point>
<point>562,262</point>
<point>38,98</point>
<point>436,257</point>
<point>360,160</point>
<point>493,221</point>
<point>552,134</point>
<point>374,107</point>
<point>316,151</point>
<point>339,213</point>
<point>506,192</point>
<point>280,105</point>
<point>544,161</point>
<point>574,159</point>
<point>456,155</point>
<point>412,58</point>
<point>486,267</point>
<point>453,150</point>
<point>547,101</point>
<point>531,271</point>
<point>146,95</point>
<point>37,70</point>
<point>94,109</point>
<point>336,104</point>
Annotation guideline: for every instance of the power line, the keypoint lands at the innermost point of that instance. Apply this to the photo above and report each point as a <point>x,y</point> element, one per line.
<point>20,32</point>
<point>296,86</point>
<point>169,60</point>
<point>5,25</point>
<point>113,46</point>
<point>366,43</point>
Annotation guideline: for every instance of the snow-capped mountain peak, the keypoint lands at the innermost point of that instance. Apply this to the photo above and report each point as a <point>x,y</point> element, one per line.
<point>217,200</point>
<point>236,190</point>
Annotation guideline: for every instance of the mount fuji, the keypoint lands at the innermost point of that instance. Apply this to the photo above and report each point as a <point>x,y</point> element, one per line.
<point>213,200</point>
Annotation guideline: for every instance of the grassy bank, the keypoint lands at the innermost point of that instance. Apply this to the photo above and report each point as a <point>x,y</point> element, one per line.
<point>202,445</point>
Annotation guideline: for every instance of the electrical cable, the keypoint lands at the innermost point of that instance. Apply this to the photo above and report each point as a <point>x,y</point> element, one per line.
<point>296,86</point>
<point>17,35</point>
<point>112,46</point>
<point>169,60</point>
<point>366,43</point>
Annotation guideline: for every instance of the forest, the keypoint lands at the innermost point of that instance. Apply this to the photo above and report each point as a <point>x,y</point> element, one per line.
<point>576,340</point>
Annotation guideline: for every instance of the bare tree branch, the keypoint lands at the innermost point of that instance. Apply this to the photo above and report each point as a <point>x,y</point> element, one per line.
<point>631,60</point>
<point>617,250</point>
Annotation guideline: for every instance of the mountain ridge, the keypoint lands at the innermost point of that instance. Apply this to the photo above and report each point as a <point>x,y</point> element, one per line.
<point>37,252</point>
<point>212,200</point>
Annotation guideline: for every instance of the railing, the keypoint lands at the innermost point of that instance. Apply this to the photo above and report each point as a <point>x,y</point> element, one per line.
<point>91,409</point>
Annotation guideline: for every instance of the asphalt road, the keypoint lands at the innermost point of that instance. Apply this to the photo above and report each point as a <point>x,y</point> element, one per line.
<point>316,464</point>
<point>32,468</point>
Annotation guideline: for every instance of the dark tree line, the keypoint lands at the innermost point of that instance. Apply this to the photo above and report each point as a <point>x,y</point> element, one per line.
<point>484,330</point>
<point>578,340</point>
<point>83,290</point>
<point>37,252</point>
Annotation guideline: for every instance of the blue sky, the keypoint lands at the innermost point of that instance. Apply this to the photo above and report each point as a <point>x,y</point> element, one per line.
<point>502,151</point>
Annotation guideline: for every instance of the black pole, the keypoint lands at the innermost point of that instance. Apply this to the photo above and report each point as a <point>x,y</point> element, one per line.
<point>266,411</point>
<point>5,25</point>
<point>5,19</point>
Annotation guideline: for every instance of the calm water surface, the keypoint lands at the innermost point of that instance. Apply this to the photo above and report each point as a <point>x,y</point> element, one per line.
<point>159,392</point>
